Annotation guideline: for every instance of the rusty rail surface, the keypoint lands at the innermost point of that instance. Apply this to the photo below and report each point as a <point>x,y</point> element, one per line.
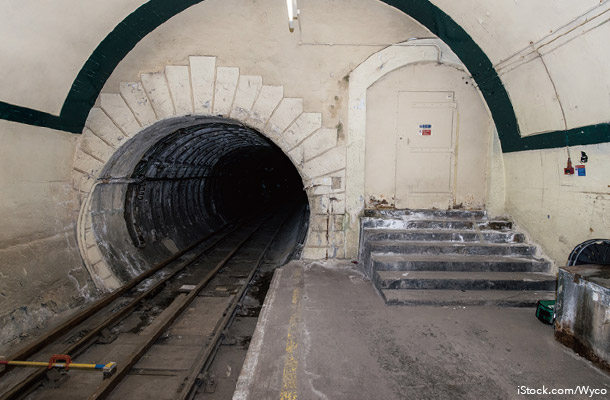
<point>78,346</point>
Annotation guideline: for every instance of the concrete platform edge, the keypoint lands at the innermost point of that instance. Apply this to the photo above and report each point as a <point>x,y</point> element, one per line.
<point>246,376</point>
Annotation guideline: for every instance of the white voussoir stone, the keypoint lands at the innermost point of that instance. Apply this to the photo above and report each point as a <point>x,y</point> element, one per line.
<point>88,222</point>
<point>337,203</point>
<point>224,91</point>
<point>336,238</point>
<point>297,156</point>
<point>303,126</point>
<point>314,253</point>
<point>103,127</point>
<point>318,238</point>
<point>81,182</point>
<point>95,146</point>
<point>203,75</point>
<point>332,160</point>
<point>179,83</point>
<point>321,185</point>
<point>94,255</point>
<point>112,283</point>
<point>337,222</point>
<point>134,95</point>
<point>319,204</point>
<point>157,89</point>
<point>86,164</point>
<point>285,114</point>
<point>101,270</point>
<point>90,238</point>
<point>115,107</point>
<point>268,99</point>
<point>320,222</point>
<point>245,95</point>
<point>319,142</point>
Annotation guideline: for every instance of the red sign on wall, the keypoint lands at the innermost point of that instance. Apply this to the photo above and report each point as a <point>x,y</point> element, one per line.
<point>425,130</point>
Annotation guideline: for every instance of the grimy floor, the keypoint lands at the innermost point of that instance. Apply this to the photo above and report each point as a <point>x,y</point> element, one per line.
<point>324,333</point>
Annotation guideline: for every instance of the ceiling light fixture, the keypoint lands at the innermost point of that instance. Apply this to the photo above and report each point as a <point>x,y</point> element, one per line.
<point>293,13</point>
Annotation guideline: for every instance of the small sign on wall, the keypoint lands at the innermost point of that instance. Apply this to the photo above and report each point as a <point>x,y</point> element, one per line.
<point>425,130</point>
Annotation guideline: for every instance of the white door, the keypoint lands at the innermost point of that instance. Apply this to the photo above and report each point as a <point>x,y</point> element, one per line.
<point>425,150</point>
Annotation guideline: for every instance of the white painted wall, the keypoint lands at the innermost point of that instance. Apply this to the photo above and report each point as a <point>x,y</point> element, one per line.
<point>38,200</point>
<point>552,56</point>
<point>40,270</point>
<point>559,211</point>
<point>45,44</point>
<point>551,61</point>
<point>330,40</point>
<point>473,129</point>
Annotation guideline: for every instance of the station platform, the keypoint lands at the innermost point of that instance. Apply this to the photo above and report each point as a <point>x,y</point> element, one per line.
<point>325,333</point>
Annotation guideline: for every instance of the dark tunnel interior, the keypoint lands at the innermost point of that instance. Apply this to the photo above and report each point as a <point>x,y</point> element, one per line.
<point>189,182</point>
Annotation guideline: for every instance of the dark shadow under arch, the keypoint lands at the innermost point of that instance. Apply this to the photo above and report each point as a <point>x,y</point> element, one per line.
<point>181,179</point>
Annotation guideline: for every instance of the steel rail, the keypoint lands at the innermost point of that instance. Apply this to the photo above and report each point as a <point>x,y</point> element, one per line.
<point>203,360</point>
<point>77,347</point>
<point>162,322</point>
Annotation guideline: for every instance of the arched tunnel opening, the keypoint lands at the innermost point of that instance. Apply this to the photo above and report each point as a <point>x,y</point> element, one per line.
<point>182,179</point>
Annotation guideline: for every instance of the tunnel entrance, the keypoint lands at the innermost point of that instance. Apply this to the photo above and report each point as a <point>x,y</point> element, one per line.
<point>182,179</point>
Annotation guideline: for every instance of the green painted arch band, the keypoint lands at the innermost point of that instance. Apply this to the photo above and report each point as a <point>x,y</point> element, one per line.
<point>109,53</point>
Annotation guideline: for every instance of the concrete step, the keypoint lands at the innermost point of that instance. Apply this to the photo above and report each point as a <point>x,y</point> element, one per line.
<point>451,235</point>
<point>497,298</point>
<point>451,280</point>
<point>428,214</point>
<point>437,248</point>
<point>457,262</point>
<point>448,223</point>
<point>399,223</point>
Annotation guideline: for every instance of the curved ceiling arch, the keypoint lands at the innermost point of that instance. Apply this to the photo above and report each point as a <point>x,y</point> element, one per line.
<point>118,43</point>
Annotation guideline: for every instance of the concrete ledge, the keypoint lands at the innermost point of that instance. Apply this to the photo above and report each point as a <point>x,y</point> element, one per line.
<point>583,312</point>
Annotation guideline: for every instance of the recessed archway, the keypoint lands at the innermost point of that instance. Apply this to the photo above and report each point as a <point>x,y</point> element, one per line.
<point>378,65</point>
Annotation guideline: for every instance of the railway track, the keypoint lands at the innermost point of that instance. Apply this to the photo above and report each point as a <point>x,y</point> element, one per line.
<point>161,329</point>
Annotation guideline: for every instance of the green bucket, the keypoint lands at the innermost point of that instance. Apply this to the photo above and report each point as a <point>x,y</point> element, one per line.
<point>545,311</point>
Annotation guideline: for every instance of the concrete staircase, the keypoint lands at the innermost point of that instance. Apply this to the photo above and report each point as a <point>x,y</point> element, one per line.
<point>451,257</point>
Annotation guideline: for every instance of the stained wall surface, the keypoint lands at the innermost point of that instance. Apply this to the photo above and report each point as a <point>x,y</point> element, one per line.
<point>552,58</point>
<point>41,271</point>
<point>41,195</point>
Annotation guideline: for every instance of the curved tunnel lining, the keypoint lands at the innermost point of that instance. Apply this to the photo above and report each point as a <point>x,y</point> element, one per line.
<point>181,179</point>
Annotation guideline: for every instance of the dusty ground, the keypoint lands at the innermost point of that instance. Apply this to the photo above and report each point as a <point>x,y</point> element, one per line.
<point>324,333</point>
